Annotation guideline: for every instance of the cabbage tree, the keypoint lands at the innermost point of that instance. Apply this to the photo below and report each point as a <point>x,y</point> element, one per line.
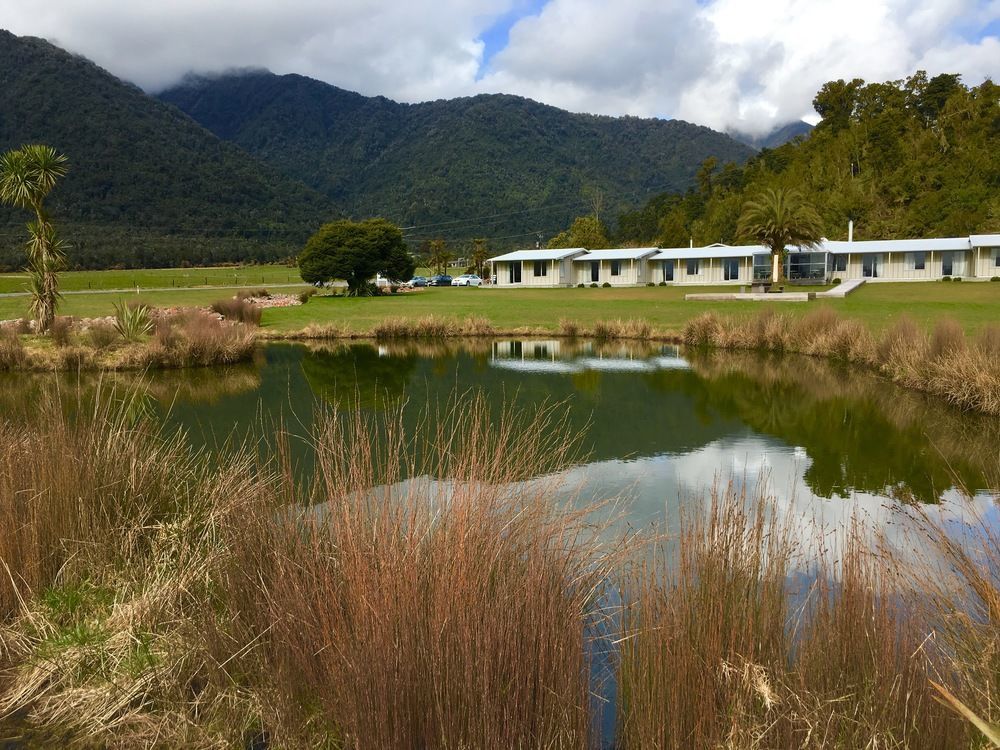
<point>27,176</point>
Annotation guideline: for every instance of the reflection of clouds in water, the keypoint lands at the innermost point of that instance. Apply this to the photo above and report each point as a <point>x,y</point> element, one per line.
<point>658,489</point>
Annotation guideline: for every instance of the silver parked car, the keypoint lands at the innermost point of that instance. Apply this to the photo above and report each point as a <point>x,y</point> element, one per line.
<point>467,279</point>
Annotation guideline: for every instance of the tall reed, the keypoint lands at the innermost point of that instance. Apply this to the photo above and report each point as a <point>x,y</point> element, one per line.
<point>434,595</point>
<point>720,650</point>
<point>439,588</point>
<point>964,372</point>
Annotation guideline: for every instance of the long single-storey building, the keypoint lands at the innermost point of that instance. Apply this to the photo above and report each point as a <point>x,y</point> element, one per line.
<point>621,267</point>
<point>973,257</point>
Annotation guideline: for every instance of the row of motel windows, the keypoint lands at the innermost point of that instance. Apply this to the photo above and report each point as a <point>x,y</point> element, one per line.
<point>542,267</point>
<point>800,266</point>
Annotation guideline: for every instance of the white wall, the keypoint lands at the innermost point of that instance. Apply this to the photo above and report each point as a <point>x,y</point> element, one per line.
<point>633,272</point>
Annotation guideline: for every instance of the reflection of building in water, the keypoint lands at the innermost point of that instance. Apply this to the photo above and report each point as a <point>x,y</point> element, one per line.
<point>556,356</point>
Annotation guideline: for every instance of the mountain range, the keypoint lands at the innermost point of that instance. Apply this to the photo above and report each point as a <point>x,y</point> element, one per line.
<point>244,166</point>
<point>449,160</point>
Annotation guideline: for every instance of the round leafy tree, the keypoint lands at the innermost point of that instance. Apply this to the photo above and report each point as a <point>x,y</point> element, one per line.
<point>354,251</point>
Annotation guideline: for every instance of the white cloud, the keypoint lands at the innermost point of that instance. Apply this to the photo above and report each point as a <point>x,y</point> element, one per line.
<point>724,63</point>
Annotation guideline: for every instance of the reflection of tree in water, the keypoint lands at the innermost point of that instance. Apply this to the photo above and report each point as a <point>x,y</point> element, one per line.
<point>358,375</point>
<point>21,393</point>
<point>860,432</point>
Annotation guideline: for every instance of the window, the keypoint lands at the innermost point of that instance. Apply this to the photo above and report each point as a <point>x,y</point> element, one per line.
<point>731,269</point>
<point>616,268</point>
<point>668,270</point>
<point>761,267</point>
<point>541,268</point>
<point>693,267</point>
<point>996,258</point>
<point>839,262</point>
<point>918,261</point>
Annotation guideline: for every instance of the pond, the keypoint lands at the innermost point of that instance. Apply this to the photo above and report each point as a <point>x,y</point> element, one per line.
<point>656,425</point>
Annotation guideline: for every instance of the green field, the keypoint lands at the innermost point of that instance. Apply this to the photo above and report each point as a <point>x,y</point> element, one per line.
<point>972,304</point>
<point>160,278</point>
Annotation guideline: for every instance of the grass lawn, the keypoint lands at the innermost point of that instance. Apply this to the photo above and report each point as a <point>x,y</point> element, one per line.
<point>147,278</point>
<point>972,304</point>
<point>96,305</point>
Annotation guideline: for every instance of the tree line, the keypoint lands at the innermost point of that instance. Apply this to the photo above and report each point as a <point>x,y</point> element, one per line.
<point>910,158</point>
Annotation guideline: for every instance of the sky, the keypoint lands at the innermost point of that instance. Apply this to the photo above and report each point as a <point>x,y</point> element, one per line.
<point>729,64</point>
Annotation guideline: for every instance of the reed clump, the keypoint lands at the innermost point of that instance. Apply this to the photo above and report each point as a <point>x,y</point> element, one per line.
<point>161,599</point>
<point>12,353</point>
<point>432,326</point>
<point>423,589</point>
<point>720,650</point>
<point>240,309</point>
<point>631,328</point>
<point>965,372</point>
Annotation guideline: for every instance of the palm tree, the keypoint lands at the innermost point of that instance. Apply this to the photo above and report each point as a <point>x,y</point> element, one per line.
<point>27,176</point>
<point>777,218</point>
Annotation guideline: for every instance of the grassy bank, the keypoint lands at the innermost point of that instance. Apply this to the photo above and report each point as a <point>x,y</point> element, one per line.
<point>162,278</point>
<point>663,308</point>
<point>155,596</point>
<point>945,362</point>
<point>189,339</point>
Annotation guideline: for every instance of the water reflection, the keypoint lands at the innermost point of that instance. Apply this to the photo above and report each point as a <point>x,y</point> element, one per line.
<point>652,419</point>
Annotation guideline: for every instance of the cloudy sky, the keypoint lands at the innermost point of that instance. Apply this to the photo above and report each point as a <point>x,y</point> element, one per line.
<point>724,63</point>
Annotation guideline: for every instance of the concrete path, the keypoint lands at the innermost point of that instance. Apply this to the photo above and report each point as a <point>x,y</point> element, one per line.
<point>842,290</point>
<point>751,297</point>
<point>141,289</point>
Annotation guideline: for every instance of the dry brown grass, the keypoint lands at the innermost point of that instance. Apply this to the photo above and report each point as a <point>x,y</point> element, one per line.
<point>620,329</point>
<point>718,652</point>
<point>424,590</point>
<point>966,374</point>
<point>444,611</point>
<point>238,309</point>
<point>12,353</point>
<point>432,326</point>
<point>60,330</point>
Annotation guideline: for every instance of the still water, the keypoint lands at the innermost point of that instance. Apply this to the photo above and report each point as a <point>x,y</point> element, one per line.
<point>656,426</point>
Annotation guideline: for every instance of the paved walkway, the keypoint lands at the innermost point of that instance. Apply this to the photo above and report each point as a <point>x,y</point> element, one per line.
<point>842,290</point>
<point>141,289</point>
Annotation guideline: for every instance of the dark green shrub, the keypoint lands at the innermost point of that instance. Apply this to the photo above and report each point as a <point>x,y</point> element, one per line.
<point>836,281</point>
<point>946,278</point>
<point>663,283</point>
<point>579,286</point>
<point>995,278</point>
<point>307,294</point>
<point>650,283</point>
<point>594,285</point>
<point>606,285</point>
<point>956,279</point>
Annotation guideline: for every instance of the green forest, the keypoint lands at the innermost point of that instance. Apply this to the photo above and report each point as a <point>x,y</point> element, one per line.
<point>245,167</point>
<point>912,158</point>
<point>496,166</point>
<point>146,186</point>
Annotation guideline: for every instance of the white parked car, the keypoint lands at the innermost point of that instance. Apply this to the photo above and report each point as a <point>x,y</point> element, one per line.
<point>467,279</point>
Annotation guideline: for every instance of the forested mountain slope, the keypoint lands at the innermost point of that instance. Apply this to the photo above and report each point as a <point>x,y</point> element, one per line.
<point>450,160</point>
<point>147,185</point>
<point>912,158</point>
